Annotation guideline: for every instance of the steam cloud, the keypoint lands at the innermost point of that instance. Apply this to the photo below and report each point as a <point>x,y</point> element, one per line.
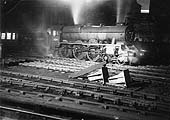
<point>79,6</point>
<point>123,8</point>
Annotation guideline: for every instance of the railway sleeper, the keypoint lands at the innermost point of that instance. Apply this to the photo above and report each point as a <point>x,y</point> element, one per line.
<point>118,102</point>
<point>123,92</point>
<point>36,86</point>
<point>81,103</point>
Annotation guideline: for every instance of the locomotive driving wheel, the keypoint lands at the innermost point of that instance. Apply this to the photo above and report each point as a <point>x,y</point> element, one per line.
<point>93,50</point>
<point>78,52</point>
<point>64,51</point>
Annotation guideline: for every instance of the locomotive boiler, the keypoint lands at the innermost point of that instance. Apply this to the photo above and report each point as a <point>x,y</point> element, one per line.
<point>94,43</point>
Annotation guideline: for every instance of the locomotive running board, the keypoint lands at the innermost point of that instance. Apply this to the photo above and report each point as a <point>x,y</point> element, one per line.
<point>66,43</point>
<point>87,70</point>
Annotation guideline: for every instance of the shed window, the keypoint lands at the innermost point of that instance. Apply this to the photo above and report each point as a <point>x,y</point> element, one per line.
<point>3,36</point>
<point>8,36</point>
<point>13,36</point>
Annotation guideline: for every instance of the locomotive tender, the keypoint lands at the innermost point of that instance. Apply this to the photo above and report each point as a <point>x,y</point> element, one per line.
<point>112,43</point>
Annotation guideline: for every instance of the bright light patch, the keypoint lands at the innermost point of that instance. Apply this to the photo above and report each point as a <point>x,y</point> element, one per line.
<point>144,11</point>
<point>54,33</point>
<point>88,1</point>
<point>78,6</point>
<point>145,5</point>
<point>49,31</point>
<point>2,36</point>
<point>66,0</point>
<point>8,36</point>
<point>13,36</point>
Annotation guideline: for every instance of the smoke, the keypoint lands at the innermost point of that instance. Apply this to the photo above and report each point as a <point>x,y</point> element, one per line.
<point>119,7</point>
<point>40,41</point>
<point>36,30</point>
<point>78,7</point>
<point>123,7</point>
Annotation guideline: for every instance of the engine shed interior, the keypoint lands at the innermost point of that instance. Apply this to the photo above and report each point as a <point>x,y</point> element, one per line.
<point>84,59</point>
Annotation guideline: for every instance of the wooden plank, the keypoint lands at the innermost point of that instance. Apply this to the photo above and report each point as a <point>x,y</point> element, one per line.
<point>87,70</point>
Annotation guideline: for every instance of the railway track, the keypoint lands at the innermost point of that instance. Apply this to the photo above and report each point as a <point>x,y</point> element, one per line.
<point>64,65</point>
<point>90,96</point>
<point>75,105</point>
<point>29,114</point>
<point>77,84</point>
<point>124,100</point>
<point>149,73</point>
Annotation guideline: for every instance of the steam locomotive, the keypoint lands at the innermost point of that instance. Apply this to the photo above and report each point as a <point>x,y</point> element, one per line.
<point>94,43</point>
